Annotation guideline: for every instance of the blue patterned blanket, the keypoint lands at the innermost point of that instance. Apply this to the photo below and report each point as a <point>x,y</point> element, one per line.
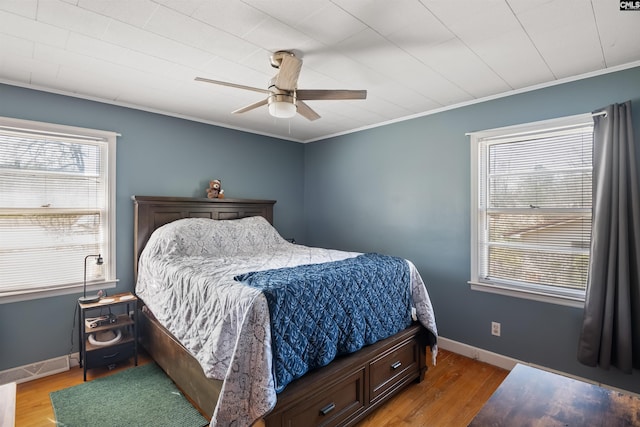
<point>319,311</point>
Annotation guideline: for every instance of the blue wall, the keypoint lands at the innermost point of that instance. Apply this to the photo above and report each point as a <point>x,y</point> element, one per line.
<point>156,156</point>
<point>404,189</point>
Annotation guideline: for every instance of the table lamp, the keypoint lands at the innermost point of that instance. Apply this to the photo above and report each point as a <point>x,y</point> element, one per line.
<point>84,299</point>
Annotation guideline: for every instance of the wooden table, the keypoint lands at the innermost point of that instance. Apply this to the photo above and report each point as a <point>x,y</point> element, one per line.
<point>533,397</point>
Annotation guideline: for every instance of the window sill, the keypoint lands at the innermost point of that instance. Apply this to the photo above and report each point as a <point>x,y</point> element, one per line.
<point>11,297</point>
<point>568,301</point>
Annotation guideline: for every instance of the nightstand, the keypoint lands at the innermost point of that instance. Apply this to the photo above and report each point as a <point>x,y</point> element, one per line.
<point>111,313</point>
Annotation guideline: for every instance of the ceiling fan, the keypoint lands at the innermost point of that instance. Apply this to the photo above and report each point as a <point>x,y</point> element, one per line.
<point>284,98</point>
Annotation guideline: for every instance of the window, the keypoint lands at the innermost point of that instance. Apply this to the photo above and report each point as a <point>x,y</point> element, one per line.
<point>57,205</point>
<point>531,209</point>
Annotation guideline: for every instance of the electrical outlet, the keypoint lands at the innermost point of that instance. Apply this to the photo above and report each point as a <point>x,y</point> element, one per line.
<point>495,329</point>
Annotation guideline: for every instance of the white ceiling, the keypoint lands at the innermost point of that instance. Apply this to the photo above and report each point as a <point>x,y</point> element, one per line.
<point>413,57</point>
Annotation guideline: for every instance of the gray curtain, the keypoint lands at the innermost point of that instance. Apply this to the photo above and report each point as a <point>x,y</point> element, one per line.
<point>610,333</point>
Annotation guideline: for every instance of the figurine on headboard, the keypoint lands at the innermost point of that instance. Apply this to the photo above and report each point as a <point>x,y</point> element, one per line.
<point>215,190</point>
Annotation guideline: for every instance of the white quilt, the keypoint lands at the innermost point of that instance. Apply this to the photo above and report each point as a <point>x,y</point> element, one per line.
<point>185,277</point>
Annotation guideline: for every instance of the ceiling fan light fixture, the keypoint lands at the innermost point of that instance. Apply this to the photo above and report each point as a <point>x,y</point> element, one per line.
<point>282,106</point>
<point>282,109</point>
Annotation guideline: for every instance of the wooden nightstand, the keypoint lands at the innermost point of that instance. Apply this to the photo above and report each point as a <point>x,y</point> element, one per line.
<point>109,314</point>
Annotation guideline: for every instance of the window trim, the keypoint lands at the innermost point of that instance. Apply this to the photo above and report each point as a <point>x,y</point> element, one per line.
<point>565,297</point>
<point>110,211</point>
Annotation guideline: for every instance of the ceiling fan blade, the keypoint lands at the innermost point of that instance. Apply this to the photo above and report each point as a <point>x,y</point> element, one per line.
<point>287,78</point>
<point>320,94</point>
<point>218,82</point>
<point>251,106</point>
<point>305,111</point>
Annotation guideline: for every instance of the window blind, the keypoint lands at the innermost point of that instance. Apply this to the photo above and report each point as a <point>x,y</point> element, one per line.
<point>534,208</point>
<point>53,208</point>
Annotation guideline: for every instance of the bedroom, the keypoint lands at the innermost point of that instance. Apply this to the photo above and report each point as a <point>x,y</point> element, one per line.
<point>414,174</point>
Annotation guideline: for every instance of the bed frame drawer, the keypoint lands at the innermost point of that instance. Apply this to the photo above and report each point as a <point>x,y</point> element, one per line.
<point>332,406</point>
<point>387,371</point>
<point>352,386</point>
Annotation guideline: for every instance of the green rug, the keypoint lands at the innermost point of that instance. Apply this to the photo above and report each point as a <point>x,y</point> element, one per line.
<point>140,396</point>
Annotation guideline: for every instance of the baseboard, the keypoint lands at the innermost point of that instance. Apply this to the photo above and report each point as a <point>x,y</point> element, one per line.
<point>40,369</point>
<point>509,363</point>
<point>476,353</point>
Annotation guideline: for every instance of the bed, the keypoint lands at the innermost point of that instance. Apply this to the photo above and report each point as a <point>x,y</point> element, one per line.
<point>232,373</point>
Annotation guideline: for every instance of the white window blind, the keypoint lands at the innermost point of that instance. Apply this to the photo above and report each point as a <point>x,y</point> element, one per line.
<point>532,228</point>
<point>55,202</point>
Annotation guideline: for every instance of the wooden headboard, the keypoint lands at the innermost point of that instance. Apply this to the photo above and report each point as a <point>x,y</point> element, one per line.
<point>152,212</point>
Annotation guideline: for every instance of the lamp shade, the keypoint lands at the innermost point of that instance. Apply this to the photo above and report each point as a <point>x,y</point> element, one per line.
<point>282,109</point>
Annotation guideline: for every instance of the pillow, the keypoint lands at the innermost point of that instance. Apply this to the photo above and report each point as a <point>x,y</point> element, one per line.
<point>207,237</point>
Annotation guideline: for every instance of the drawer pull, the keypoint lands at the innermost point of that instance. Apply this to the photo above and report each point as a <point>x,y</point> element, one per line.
<point>111,356</point>
<point>330,407</point>
<point>396,365</point>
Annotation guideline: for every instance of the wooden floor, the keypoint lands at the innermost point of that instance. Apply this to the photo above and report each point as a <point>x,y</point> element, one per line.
<point>450,395</point>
